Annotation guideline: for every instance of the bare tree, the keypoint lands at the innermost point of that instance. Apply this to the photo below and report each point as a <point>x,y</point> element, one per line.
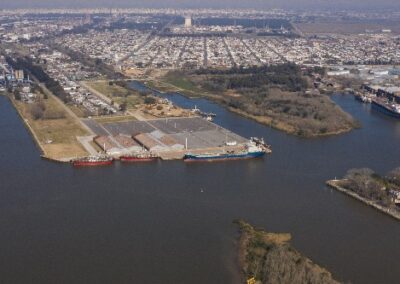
<point>394,176</point>
<point>36,112</point>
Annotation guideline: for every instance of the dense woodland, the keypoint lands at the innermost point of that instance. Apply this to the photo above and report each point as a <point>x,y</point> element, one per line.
<point>283,95</point>
<point>368,184</point>
<point>288,76</point>
<point>270,258</point>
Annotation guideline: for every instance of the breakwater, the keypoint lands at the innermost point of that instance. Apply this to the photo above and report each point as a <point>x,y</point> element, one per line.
<point>391,212</point>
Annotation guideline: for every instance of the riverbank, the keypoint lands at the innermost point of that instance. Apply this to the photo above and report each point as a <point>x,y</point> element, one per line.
<point>391,212</point>
<point>55,133</point>
<point>267,190</point>
<point>278,125</point>
<point>323,116</point>
<point>266,257</point>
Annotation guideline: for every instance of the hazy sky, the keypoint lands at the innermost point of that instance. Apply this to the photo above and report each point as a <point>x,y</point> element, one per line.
<point>297,4</point>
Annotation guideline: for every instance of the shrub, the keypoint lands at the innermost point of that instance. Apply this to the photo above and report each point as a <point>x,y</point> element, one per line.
<point>36,112</point>
<point>52,114</point>
<point>149,100</point>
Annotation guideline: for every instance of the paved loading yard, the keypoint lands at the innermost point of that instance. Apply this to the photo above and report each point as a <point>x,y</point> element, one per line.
<point>199,132</point>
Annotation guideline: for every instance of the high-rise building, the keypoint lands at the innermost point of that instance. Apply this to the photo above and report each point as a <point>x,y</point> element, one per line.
<point>188,22</point>
<point>19,75</point>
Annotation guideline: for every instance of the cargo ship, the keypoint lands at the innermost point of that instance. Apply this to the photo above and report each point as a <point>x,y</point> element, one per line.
<point>388,108</point>
<point>92,161</point>
<point>363,98</point>
<point>252,151</point>
<point>261,143</point>
<point>139,157</point>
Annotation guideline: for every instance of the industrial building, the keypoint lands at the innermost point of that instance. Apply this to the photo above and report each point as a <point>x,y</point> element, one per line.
<point>173,135</point>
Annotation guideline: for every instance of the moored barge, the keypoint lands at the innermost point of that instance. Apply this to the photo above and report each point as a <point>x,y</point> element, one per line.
<point>140,157</point>
<point>92,161</point>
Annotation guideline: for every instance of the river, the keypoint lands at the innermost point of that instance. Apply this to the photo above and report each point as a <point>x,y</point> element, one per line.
<point>171,222</point>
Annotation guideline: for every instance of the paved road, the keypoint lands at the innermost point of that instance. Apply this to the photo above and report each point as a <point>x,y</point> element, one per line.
<point>144,43</point>
<point>229,52</point>
<point>66,108</point>
<point>297,30</point>
<point>97,93</point>
<point>85,141</point>
<point>183,49</point>
<point>251,51</point>
<point>205,55</point>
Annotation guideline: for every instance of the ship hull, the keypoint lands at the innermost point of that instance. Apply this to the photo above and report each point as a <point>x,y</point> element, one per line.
<point>224,157</point>
<point>385,110</point>
<point>91,164</point>
<point>137,159</point>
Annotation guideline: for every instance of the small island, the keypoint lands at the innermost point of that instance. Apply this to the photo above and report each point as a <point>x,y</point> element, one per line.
<point>269,258</point>
<point>379,192</point>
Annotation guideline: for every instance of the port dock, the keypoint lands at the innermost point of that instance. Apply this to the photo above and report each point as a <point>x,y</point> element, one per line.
<point>169,138</point>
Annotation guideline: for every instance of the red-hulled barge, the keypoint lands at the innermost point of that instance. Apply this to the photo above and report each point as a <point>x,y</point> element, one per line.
<point>140,157</point>
<point>92,161</point>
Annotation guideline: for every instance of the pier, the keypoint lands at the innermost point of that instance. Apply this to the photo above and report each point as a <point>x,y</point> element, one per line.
<point>169,138</point>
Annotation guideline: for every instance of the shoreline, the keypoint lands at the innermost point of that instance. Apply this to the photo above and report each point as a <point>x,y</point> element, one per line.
<point>259,119</point>
<point>54,160</point>
<point>35,138</point>
<point>27,125</point>
<point>392,213</point>
<point>268,257</point>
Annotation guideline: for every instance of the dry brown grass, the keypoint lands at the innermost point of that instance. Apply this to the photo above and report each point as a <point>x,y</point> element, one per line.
<point>270,258</point>
<point>133,72</point>
<point>107,90</point>
<point>64,150</point>
<point>61,132</point>
<point>163,110</point>
<point>117,93</point>
<point>278,239</point>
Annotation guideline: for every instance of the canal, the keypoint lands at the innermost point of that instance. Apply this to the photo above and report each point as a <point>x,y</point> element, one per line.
<point>171,222</point>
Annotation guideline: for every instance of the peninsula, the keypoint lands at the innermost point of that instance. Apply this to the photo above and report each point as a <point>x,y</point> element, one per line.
<point>266,257</point>
<point>283,96</point>
<point>379,192</point>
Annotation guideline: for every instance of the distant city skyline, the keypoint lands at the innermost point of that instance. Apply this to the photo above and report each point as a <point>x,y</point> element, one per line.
<point>295,4</point>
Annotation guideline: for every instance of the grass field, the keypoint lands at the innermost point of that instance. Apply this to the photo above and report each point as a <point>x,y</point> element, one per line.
<point>180,81</point>
<point>110,91</point>
<point>117,93</point>
<point>62,132</point>
<point>79,111</point>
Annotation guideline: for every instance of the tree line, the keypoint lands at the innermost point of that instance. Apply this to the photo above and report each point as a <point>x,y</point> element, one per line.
<point>369,184</point>
<point>26,63</point>
<point>289,76</point>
